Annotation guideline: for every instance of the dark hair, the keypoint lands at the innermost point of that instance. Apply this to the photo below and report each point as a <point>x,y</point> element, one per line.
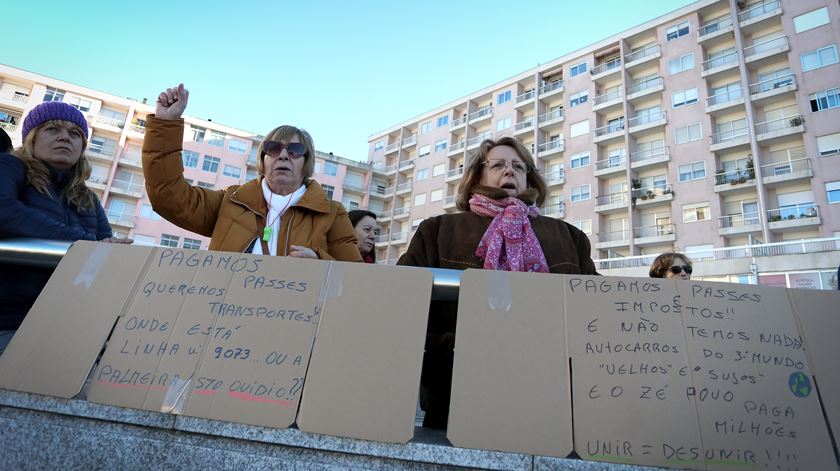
<point>357,215</point>
<point>5,142</point>
<point>663,262</point>
<point>472,174</point>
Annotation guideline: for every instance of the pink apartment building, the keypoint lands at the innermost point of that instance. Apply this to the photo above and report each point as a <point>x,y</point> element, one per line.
<point>712,130</point>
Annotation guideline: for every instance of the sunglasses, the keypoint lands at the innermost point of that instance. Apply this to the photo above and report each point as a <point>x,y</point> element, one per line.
<point>275,148</point>
<point>676,269</point>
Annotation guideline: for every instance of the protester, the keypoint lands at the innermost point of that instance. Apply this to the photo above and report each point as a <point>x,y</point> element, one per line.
<point>671,265</point>
<point>43,195</point>
<point>499,229</point>
<point>364,223</point>
<point>282,212</point>
<point>5,142</point>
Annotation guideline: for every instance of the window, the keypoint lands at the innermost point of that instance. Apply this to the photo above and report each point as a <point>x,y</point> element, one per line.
<point>437,195</point>
<point>819,58</point>
<point>425,127</point>
<point>210,164</point>
<point>832,191</point>
<point>438,170</point>
<point>79,104</point>
<point>167,240</point>
<point>415,223</point>
<point>54,94</point>
<point>217,138</point>
<point>440,145</point>
<point>584,225</point>
<point>580,193</point>
<point>330,168</point>
<point>677,31</point>
<point>684,97</point>
<point>144,240</point>
<point>378,145</point>
<point>147,212</point>
<point>503,124</point>
<point>578,98</point>
<point>102,145</point>
<point>578,69</point>
<point>578,129</point>
<point>329,190</point>
<point>197,133</point>
<point>810,20</point>
<point>829,144</point>
<point>232,171</point>
<point>423,151</point>
<point>420,200</point>
<point>681,64</point>
<point>189,158</point>
<point>115,115</point>
<point>692,132</point>
<point>443,121</point>
<point>422,174</point>
<point>250,174</point>
<point>579,160</point>
<point>240,147</point>
<point>317,168</point>
<point>825,100</point>
<point>209,186</point>
<point>192,243</point>
<point>696,212</point>
<point>503,97</point>
<point>693,171</point>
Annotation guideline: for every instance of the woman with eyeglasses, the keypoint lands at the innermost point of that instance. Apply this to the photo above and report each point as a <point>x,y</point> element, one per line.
<point>671,265</point>
<point>499,228</point>
<point>282,212</point>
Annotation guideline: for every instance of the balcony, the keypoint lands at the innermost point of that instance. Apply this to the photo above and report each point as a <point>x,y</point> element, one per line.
<point>734,180</point>
<point>551,88</point>
<point>401,213</point>
<point>127,188</point>
<point>457,147</point>
<point>8,127</point>
<point>613,239</point>
<point>739,224</point>
<point>716,28</point>
<point>98,152</point>
<point>353,188</point>
<point>384,216</point>
<point>555,178</point>
<point>646,121</point>
<point>405,165</point>
<point>392,147</point>
<point>649,157</point>
<point>112,124</point>
<point>96,182</point>
<point>612,98</point>
<point>457,123</point>
<point>644,88</point>
<point>399,238</point>
<point>475,141</point>
<point>651,235</point>
<point>760,12</point>
<point>724,101</point>
<point>138,129</point>
<point>606,69</point>
<point>14,100</point>
<point>613,202</point>
<point>525,98</point>
<point>379,168</point>
<point>762,52</point>
<point>120,219</point>
<point>524,126</point>
<point>791,170</point>
<point>381,192</point>
<point>454,175</point>
<point>131,160</point>
<point>650,52</point>
<point>546,149</point>
<point>480,115</point>
<point>556,210</point>
<point>773,88</point>
<point>793,217</point>
<point>610,132</point>
<point>551,120</point>
<point>382,239</point>
<point>729,139</point>
<point>653,195</point>
<point>403,188</point>
<point>719,64</point>
<point>409,141</point>
<point>772,130</point>
<point>610,165</point>
<point>449,203</point>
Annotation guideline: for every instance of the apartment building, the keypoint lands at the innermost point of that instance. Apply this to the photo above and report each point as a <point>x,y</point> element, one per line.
<point>711,127</point>
<point>214,155</point>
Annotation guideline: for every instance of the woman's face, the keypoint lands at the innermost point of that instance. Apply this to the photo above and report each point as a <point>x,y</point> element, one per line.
<point>59,143</point>
<point>504,169</point>
<point>366,234</point>
<point>283,171</point>
<point>682,275</point>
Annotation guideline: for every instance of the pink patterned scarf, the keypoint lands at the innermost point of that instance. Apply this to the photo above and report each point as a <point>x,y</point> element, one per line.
<point>509,243</point>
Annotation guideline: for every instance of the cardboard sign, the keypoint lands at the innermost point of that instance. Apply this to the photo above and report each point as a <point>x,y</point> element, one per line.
<point>364,375</point>
<point>510,380</point>
<point>56,346</point>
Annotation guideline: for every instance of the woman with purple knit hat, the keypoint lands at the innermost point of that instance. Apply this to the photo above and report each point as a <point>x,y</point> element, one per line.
<point>43,195</point>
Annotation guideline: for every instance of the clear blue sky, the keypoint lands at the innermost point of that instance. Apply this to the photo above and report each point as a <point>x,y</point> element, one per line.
<point>341,69</point>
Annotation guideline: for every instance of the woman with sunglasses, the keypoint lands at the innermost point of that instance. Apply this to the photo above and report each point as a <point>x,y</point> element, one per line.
<point>671,265</point>
<point>499,228</point>
<point>282,212</point>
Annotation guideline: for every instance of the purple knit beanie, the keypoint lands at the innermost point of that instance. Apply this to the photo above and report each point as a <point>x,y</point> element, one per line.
<point>51,110</point>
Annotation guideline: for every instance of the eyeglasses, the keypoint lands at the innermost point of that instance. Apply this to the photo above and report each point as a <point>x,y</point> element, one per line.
<point>275,148</point>
<point>499,166</point>
<point>676,269</point>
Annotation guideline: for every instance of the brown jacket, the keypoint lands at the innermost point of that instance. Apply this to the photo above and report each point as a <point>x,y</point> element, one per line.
<point>233,217</point>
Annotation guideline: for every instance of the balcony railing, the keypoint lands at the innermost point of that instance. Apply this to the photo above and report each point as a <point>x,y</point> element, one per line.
<point>724,97</point>
<point>556,209</point>
<point>646,118</point>
<point>734,177</point>
<point>765,46</point>
<point>759,10</point>
<point>140,129</point>
<point>457,146</point>
<point>458,122</point>
<point>551,86</point>
<point>399,236</point>
<point>614,236</point>
<point>377,167</point>
<point>8,127</point>
<point>551,145</point>
<point>648,51</point>
<point>397,212</point>
<point>527,123</point>
<point>739,220</point>
<point>609,65</point>
<point>482,113</point>
<point>612,198</point>
<point>128,187</point>
<point>609,129</point>
<point>99,149</point>
<point>797,211</point>
<point>648,154</point>
<point>97,180</point>
<point>551,115</point>
<point>651,192</point>
<point>392,147</point>
<point>653,231</point>
<point>779,124</point>
<point>730,135</point>
<point>479,138</point>
<point>15,98</point>
<point>715,25</point>
<point>556,177</point>
<point>108,121</point>
<point>610,162</point>
<point>783,168</point>
<point>405,164</point>
<point>729,58</point>
<point>403,187</point>
<point>644,85</point>
<point>455,173</point>
<point>410,140</point>
<point>613,93</point>
<point>525,96</point>
<point>449,200</point>
<point>773,83</point>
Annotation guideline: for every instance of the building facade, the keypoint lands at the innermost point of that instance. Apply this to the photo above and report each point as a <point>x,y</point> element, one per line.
<point>712,127</point>
<point>214,155</point>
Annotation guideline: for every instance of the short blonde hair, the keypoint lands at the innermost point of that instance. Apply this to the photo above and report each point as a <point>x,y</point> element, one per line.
<point>286,133</point>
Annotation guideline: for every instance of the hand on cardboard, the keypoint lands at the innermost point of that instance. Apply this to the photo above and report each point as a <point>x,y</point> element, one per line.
<point>118,240</point>
<point>172,102</point>
<point>300,251</point>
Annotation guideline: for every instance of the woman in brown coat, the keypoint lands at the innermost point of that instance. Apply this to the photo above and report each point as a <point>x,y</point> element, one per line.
<point>499,228</point>
<point>283,212</point>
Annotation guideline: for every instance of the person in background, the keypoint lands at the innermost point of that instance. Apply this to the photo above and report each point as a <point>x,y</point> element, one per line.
<point>43,195</point>
<point>281,212</point>
<point>5,142</point>
<point>364,223</point>
<point>499,228</point>
<point>671,265</point>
